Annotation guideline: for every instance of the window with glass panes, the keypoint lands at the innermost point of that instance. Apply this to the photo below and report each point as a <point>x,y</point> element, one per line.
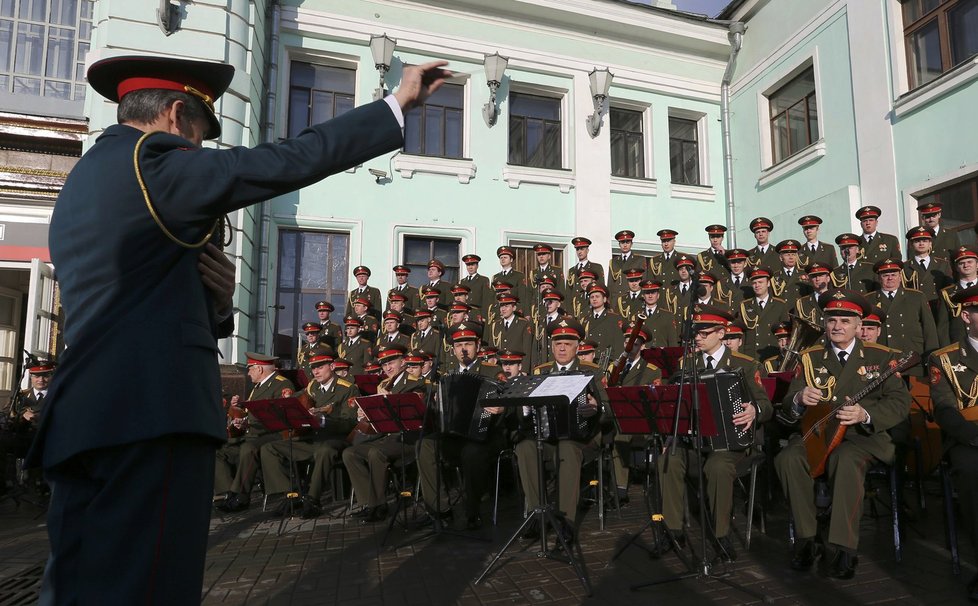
<point>435,128</point>
<point>684,151</point>
<point>419,250</point>
<point>959,208</point>
<point>526,259</point>
<point>939,35</point>
<point>318,93</point>
<point>43,44</point>
<point>534,131</point>
<point>312,266</point>
<point>627,143</point>
<point>794,116</point>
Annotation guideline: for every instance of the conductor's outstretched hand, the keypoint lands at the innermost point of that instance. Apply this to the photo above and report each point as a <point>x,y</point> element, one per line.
<point>420,81</point>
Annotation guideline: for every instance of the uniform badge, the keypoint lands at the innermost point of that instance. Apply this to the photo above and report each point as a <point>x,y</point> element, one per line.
<point>861,371</point>
<point>935,375</point>
<point>286,393</point>
<point>959,368</point>
<point>822,370</point>
<point>882,247</point>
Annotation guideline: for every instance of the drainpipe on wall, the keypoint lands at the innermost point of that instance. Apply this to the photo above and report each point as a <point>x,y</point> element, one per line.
<point>271,106</point>
<point>736,38</point>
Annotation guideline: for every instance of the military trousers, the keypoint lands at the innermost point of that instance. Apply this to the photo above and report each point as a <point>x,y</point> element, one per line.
<point>569,458</point>
<point>719,474</point>
<point>367,464</point>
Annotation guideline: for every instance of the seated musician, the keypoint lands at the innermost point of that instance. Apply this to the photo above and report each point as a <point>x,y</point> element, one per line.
<point>953,378</point>
<point>782,332</point>
<point>833,371</point>
<point>636,371</point>
<point>367,461</point>
<point>23,417</point>
<point>565,337</point>
<point>326,395</point>
<point>474,457</point>
<point>238,460</point>
<point>719,468</point>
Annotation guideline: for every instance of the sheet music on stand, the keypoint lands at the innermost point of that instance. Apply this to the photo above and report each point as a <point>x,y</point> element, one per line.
<point>546,390</point>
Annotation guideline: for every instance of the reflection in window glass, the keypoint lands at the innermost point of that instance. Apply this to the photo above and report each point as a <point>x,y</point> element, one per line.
<point>435,128</point>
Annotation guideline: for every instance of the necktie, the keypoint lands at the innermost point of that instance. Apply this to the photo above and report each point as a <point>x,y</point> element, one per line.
<point>869,239</point>
<point>842,357</point>
<point>40,397</point>
<point>709,362</point>
<point>737,281</point>
<point>852,267</point>
<point>596,316</point>
<point>506,324</point>
<point>890,295</point>
<point>634,295</point>
<point>684,289</point>
<point>970,284</point>
<point>923,263</point>
<point>812,247</point>
<point>580,267</point>
<point>789,273</point>
<point>761,304</point>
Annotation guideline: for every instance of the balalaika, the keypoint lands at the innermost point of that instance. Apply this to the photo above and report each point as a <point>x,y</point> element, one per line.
<point>560,421</point>
<point>461,414</point>
<point>727,393</point>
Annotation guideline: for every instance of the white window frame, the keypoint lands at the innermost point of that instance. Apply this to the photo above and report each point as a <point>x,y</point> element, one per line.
<point>769,170</point>
<point>647,184</point>
<point>515,175</point>
<point>703,191</point>
<point>316,57</point>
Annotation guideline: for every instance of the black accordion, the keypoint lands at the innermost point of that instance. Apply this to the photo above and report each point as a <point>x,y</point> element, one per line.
<point>727,393</point>
<point>559,421</point>
<point>461,414</point>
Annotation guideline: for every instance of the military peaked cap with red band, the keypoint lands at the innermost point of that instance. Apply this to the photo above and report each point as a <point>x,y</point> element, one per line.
<point>471,259</point>
<point>625,235</point>
<point>458,308</point>
<point>391,352</point>
<point>505,250</point>
<point>341,364</point>
<point>634,274</point>
<point>414,357</point>
<point>716,229</point>
<point>465,331</point>
<point>393,315</point>
<point>875,317</point>
<point>423,313</point>
<point>929,208</point>
<point>500,285</point>
<point>325,306</point>
<point>352,321</point>
<point>543,249</point>
<point>817,269</point>
<point>396,296</point>
<point>508,356</point>
<point>737,254</point>
<point>438,264</point>
<point>312,327</point>
<point>565,328</point>
<point>881,267</point>
<point>709,277</point>
<point>585,274</point>
<point>487,353</point>
<point>553,295</point>
<point>368,368</point>
<point>362,301</point>
<point>597,288</point>
<point>587,347</point>
<point>432,293</point>
<point>402,270</point>
<point>711,315</point>
<point>667,234</point>
<point>920,233</point>
<point>651,286</point>
<point>736,329</point>
<point>967,297</point>
<point>580,242</point>
<point>546,280</point>
<point>761,223</point>
<point>847,239</point>
<point>844,303</point>
<point>787,246</point>
<point>642,332</point>
<point>461,289</point>
<point>321,356</point>
<point>42,367</point>
<point>781,329</point>
<point>759,272</point>
<point>260,359</point>
<point>965,252</point>
<point>810,221</point>
<point>507,299</point>
<point>684,260</point>
<point>115,77</point>
<point>361,269</point>
<point>868,212</point>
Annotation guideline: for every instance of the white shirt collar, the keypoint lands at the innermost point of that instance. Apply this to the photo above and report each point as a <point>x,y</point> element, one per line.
<point>328,384</point>
<point>717,355</point>
<point>848,350</point>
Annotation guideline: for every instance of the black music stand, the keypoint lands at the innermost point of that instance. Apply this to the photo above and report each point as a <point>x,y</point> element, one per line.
<point>514,394</point>
<point>285,414</point>
<point>395,413</point>
<point>367,384</point>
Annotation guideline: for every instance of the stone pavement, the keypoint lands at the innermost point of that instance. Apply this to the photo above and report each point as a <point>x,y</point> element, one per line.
<point>339,561</point>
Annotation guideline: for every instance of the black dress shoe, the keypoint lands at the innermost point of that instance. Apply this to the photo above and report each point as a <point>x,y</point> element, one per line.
<point>363,512</point>
<point>234,503</point>
<point>725,549</point>
<point>842,565</point>
<point>532,531</point>
<point>473,523</point>
<point>379,513</point>
<point>805,553</point>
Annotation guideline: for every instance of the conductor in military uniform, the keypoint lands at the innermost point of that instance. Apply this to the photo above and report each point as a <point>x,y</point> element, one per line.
<point>832,372</point>
<point>719,467</point>
<point>953,377</point>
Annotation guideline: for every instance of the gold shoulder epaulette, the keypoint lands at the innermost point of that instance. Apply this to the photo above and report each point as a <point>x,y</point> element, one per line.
<point>344,383</point>
<point>737,354</point>
<point>611,367</point>
<point>779,299</point>
<point>587,364</point>
<point>913,290</point>
<point>880,347</point>
<point>947,349</point>
<point>651,366</point>
<point>811,349</point>
<point>280,378</point>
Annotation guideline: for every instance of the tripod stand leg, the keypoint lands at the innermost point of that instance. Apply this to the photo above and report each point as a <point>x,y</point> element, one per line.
<point>574,560</point>
<point>530,518</point>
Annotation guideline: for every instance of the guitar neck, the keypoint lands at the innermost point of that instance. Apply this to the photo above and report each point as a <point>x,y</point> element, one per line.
<point>903,364</point>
